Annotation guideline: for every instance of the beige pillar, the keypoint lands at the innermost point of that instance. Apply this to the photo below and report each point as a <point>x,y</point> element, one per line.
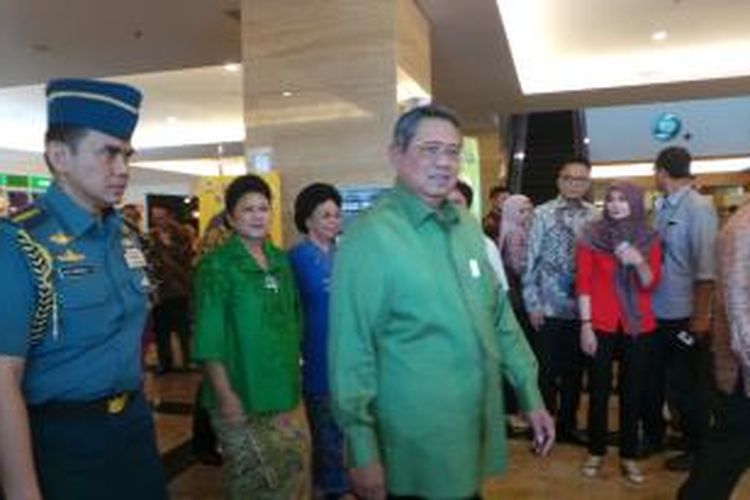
<point>320,87</point>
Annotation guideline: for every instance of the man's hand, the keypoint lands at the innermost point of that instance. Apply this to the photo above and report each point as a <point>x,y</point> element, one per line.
<point>369,481</point>
<point>537,320</point>
<point>543,427</point>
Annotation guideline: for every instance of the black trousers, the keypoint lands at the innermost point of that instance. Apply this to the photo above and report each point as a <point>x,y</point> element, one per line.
<point>94,455</point>
<point>682,378</point>
<point>204,438</point>
<point>172,315</point>
<point>631,352</point>
<point>725,455</point>
<point>558,352</point>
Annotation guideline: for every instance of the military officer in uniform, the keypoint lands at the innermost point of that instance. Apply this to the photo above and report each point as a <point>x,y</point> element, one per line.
<point>73,420</point>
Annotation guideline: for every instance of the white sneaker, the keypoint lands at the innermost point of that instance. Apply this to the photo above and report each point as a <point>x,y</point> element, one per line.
<point>632,472</point>
<point>592,466</point>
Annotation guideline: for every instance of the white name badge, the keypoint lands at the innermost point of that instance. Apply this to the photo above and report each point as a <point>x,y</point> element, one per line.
<point>135,258</point>
<point>474,268</point>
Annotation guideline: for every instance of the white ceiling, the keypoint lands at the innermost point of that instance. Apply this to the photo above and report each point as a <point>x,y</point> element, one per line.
<point>174,50</point>
<point>584,44</point>
<point>474,68</point>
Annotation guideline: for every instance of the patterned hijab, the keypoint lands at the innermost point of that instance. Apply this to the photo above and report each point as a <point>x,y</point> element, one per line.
<point>514,232</point>
<point>606,234</point>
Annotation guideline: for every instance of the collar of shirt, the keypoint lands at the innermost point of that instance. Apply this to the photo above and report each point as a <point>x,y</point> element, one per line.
<point>673,199</point>
<point>273,256</point>
<point>418,212</point>
<point>566,204</point>
<point>75,219</point>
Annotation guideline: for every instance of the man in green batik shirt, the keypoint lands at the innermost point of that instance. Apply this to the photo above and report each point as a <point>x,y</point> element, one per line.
<point>420,333</point>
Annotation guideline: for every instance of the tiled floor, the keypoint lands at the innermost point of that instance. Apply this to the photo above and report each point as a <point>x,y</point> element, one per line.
<point>555,478</point>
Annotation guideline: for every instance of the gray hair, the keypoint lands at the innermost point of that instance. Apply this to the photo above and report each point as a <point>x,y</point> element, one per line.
<point>406,126</point>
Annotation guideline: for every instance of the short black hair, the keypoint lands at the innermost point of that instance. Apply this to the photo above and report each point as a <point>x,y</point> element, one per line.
<point>406,125</point>
<point>466,191</point>
<point>675,161</point>
<point>67,134</point>
<point>581,160</point>
<point>239,187</point>
<point>308,200</point>
<point>70,135</point>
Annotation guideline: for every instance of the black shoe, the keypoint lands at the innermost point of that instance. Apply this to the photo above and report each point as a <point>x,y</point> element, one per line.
<point>573,436</point>
<point>680,462</point>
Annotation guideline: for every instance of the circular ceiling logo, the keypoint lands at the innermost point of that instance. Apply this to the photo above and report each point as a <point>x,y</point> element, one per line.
<point>666,127</point>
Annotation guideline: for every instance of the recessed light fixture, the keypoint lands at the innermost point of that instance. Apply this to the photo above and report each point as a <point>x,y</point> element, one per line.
<point>287,93</point>
<point>232,67</point>
<point>659,36</point>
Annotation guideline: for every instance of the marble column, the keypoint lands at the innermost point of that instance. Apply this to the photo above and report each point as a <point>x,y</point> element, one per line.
<point>321,87</point>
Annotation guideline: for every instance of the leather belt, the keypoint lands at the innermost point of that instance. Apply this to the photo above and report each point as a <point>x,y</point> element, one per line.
<point>113,405</point>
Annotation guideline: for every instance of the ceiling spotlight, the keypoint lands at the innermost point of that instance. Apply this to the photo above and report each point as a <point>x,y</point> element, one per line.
<point>287,93</point>
<point>232,67</point>
<point>659,36</point>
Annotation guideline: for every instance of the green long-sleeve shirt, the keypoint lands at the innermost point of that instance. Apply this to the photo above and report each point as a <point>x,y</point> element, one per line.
<point>248,319</point>
<point>419,335</point>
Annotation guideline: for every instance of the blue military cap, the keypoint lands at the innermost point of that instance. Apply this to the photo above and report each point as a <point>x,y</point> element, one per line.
<point>108,107</point>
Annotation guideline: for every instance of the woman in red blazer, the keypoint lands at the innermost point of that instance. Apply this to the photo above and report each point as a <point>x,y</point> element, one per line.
<point>618,265</point>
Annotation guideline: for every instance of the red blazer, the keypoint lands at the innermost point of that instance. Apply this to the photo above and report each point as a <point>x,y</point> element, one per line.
<point>595,277</point>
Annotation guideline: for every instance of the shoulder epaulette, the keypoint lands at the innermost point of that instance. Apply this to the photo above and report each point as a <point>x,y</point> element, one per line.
<point>29,216</point>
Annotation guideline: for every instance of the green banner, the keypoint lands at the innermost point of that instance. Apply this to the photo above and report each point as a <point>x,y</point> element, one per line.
<point>39,183</point>
<point>3,180</point>
<point>17,181</point>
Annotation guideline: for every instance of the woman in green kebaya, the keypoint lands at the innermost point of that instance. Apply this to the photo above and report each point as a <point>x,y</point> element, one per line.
<point>247,336</point>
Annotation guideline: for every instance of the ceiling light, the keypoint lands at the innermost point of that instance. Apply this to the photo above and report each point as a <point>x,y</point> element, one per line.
<point>287,93</point>
<point>232,67</point>
<point>519,156</point>
<point>646,169</point>
<point>659,36</point>
<point>171,120</point>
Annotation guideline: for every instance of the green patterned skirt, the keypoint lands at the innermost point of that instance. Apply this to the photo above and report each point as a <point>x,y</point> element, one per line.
<point>267,457</point>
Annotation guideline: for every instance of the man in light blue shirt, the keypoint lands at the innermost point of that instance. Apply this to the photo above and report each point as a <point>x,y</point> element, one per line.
<point>687,225</point>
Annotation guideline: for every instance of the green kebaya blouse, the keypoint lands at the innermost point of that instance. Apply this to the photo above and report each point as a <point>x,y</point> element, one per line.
<point>248,319</point>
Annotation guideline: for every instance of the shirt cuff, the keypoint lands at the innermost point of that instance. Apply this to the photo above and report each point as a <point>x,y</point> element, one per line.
<point>362,445</point>
<point>529,397</point>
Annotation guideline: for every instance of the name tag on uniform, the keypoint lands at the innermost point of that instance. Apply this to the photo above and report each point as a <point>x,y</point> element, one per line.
<point>76,271</point>
<point>134,258</point>
<point>474,268</point>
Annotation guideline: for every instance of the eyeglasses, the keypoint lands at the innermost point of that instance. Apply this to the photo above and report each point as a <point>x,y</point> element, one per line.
<point>435,150</point>
<point>571,179</point>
